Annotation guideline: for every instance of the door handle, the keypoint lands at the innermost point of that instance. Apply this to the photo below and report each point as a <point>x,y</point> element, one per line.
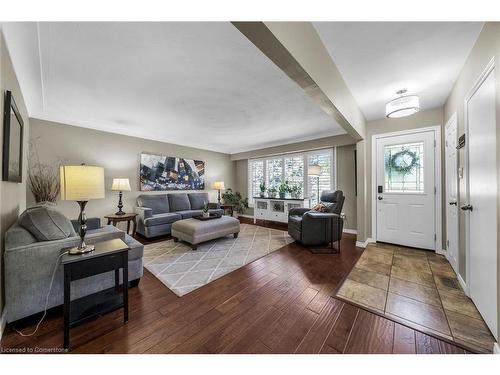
<point>452,203</point>
<point>467,207</point>
<point>379,198</point>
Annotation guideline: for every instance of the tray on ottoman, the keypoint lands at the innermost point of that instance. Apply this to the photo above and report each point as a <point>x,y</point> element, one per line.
<point>196,231</point>
<point>205,218</point>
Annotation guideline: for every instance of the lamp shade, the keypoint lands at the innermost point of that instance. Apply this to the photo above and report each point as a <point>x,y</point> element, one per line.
<point>314,170</point>
<point>218,185</point>
<point>81,182</point>
<point>121,184</point>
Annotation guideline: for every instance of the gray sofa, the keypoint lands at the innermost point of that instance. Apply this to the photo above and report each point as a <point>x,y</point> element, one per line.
<point>157,213</point>
<point>29,263</point>
<point>312,228</point>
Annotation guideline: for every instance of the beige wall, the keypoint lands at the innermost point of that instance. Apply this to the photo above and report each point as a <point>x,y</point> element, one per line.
<point>13,196</point>
<point>419,120</point>
<point>120,157</point>
<point>345,174</point>
<point>486,47</point>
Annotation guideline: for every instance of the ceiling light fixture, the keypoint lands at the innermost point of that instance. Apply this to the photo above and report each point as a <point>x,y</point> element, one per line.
<point>405,105</point>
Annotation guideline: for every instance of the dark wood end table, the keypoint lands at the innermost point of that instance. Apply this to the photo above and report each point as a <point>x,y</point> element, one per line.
<point>108,256</point>
<point>229,207</point>
<point>128,217</point>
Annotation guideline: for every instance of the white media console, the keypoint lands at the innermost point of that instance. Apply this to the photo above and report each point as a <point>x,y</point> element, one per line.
<point>276,209</point>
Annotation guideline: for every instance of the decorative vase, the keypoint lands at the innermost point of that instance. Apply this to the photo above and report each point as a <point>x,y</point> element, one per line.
<point>282,195</point>
<point>272,195</point>
<point>262,195</point>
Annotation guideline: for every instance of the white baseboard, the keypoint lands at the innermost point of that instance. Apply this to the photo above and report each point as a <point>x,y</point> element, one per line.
<point>496,348</point>
<point>247,216</point>
<point>3,322</point>
<point>365,243</point>
<point>462,283</point>
<point>441,252</point>
<point>350,231</point>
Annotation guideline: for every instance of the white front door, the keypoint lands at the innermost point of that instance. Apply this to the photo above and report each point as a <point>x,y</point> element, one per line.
<point>482,195</point>
<point>451,192</point>
<point>405,189</point>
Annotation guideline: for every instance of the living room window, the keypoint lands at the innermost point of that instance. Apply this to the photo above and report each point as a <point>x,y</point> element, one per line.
<point>294,169</point>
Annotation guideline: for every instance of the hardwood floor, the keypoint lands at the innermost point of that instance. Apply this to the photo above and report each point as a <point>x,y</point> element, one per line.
<point>278,304</point>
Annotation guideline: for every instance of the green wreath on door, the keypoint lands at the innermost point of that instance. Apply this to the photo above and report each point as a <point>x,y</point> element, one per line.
<point>404,161</point>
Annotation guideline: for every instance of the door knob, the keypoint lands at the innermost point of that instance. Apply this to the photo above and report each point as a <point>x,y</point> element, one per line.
<point>452,203</point>
<point>467,207</point>
<point>379,198</point>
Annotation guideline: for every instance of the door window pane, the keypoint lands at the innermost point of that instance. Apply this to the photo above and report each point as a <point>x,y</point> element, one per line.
<point>404,168</point>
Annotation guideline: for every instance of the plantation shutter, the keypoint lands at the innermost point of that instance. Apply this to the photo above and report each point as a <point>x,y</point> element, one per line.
<point>256,176</point>
<point>324,159</point>
<point>294,171</point>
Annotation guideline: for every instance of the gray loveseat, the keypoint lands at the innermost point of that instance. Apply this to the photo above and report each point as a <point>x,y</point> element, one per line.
<point>158,212</point>
<point>29,263</point>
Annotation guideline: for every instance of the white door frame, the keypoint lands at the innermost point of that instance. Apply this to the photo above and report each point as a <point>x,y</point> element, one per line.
<point>453,120</point>
<point>438,210</point>
<point>482,77</point>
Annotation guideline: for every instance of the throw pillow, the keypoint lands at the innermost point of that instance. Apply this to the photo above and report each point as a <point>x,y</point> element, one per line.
<point>46,224</point>
<point>320,207</point>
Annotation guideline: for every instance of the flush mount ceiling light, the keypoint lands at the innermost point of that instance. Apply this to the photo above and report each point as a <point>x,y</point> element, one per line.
<point>405,105</point>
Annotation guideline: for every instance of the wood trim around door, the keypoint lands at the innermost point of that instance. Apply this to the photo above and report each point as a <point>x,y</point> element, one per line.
<point>438,208</point>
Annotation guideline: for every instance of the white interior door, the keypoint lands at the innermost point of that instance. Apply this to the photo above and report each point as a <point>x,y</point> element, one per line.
<point>482,196</point>
<point>451,192</point>
<point>405,200</point>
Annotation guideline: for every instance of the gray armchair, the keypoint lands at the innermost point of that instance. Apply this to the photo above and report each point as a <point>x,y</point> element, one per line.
<point>314,228</point>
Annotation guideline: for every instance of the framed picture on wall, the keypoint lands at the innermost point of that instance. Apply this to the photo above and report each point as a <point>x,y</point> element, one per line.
<point>160,173</point>
<point>12,157</point>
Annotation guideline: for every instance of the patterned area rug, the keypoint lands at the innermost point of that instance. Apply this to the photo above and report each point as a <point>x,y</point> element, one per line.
<point>183,270</point>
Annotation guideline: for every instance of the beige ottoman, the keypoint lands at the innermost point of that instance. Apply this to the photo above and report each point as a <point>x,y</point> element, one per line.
<point>197,231</point>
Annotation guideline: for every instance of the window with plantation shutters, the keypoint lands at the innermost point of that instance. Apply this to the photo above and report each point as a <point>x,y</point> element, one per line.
<point>292,168</point>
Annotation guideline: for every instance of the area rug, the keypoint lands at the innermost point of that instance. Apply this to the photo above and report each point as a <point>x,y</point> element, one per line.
<point>183,270</point>
<point>419,289</point>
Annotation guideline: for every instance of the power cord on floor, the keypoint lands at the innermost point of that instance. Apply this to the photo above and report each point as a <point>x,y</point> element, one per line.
<point>46,300</point>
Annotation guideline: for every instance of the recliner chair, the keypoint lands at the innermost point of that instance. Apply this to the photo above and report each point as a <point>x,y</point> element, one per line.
<point>312,228</point>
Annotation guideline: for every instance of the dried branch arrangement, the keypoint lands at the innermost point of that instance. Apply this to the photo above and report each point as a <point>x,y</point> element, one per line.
<point>43,178</point>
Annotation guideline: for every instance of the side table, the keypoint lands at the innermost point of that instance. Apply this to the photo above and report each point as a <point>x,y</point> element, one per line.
<point>229,207</point>
<point>108,256</point>
<point>128,217</point>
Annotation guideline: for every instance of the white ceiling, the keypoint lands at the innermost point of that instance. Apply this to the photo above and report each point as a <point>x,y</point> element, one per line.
<point>377,59</point>
<point>197,84</point>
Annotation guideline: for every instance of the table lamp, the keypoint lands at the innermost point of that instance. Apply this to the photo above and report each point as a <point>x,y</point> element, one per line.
<point>315,171</point>
<point>218,185</point>
<point>81,183</point>
<point>121,185</point>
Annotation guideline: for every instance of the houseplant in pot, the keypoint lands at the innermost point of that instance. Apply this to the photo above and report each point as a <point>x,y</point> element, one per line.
<point>206,213</point>
<point>283,189</point>
<point>236,200</point>
<point>271,192</point>
<point>262,187</point>
<point>295,191</point>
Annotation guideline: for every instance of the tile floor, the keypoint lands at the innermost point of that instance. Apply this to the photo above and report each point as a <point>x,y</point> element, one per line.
<point>418,288</point>
<point>183,270</point>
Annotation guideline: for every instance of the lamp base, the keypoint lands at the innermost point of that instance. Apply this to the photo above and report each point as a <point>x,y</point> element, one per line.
<point>81,250</point>
<point>120,213</point>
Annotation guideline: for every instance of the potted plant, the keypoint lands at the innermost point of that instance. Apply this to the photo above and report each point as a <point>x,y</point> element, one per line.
<point>236,200</point>
<point>272,192</point>
<point>295,191</point>
<point>262,187</point>
<point>283,189</point>
<point>206,213</point>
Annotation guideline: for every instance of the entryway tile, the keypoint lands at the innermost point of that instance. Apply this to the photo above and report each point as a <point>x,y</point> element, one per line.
<point>363,294</point>
<point>415,291</point>
<point>470,330</point>
<point>426,315</point>
<point>413,276</point>
<point>374,279</point>
<point>459,303</point>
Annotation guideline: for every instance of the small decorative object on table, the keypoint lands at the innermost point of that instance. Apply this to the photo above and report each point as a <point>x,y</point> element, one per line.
<point>121,185</point>
<point>262,187</point>
<point>210,216</point>
<point>206,213</point>
<point>283,189</point>
<point>82,183</point>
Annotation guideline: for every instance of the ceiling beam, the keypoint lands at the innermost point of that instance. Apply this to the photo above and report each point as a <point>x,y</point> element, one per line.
<point>297,49</point>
